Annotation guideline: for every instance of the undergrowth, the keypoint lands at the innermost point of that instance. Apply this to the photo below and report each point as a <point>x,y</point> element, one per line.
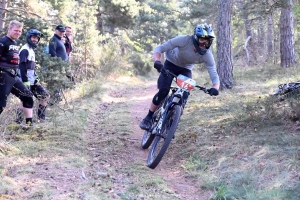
<point>247,138</point>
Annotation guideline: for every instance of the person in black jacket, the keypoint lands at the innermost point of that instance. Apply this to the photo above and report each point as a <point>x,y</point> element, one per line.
<point>9,64</point>
<point>56,46</point>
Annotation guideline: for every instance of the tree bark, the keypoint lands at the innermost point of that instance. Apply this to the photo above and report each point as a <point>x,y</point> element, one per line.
<point>224,55</point>
<point>287,53</point>
<point>261,37</point>
<point>3,5</point>
<point>270,48</point>
<point>252,59</point>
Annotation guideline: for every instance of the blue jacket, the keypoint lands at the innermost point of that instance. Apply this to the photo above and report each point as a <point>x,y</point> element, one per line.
<point>57,48</point>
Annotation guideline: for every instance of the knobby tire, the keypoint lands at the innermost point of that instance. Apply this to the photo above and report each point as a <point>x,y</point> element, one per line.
<point>167,132</point>
<point>148,137</point>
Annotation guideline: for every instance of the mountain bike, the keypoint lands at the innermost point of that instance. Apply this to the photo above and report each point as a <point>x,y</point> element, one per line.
<point>287,89</point>
<point>166,118</point>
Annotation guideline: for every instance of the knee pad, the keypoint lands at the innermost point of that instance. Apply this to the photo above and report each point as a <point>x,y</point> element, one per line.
<point>1,109</point>
<point>27,102</point>
<point>162,93</point>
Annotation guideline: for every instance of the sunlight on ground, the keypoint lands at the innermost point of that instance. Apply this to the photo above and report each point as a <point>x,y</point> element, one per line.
<point>238,152</point>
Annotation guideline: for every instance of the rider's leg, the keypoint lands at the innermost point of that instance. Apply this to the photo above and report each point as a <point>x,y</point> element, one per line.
<point>146,122</point>
<point>157,99</point>
<point>164,82</point>
<point>6,84</point>
<point>187,73</point>
<point>28,108</point>
<point>25,95</point>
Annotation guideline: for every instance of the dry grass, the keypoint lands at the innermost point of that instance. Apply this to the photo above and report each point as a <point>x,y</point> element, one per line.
<point>242,151</point>
<point>236,146</point>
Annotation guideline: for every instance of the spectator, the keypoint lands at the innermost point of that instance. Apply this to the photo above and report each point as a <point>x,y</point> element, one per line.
<point>69,40</point>
<point>56,45</point>
<point>28,72</point>
<point>10,83</point>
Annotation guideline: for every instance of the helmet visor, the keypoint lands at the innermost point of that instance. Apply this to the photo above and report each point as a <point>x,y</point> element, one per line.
<point>204,43</point>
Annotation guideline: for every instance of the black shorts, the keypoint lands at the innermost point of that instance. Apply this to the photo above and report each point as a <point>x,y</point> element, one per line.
<point>39,92</point>
<point>10,84</point>
<point>164,81</point>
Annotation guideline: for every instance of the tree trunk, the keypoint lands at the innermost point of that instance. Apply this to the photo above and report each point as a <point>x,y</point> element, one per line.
<point>270,48</point>
<point>261,37</point>
<point>4,5</point>
<point>287,54</point>
<point>252,59</point>
<point>224,56</point>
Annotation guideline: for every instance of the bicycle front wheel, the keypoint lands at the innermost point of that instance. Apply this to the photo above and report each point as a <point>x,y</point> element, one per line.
<point>161,141</point>
<point>148,137</point>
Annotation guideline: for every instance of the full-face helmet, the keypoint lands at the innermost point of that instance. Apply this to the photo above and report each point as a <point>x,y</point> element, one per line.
<point>205,32</point>
<point>30,33</point>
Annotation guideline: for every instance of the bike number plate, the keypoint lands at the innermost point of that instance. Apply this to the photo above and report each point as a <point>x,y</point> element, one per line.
<point>185,82</point>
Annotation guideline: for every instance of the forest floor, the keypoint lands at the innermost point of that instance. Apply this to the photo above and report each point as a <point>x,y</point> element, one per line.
<point>234,146</point>
<point>136,101</point>
<point>110,163</point>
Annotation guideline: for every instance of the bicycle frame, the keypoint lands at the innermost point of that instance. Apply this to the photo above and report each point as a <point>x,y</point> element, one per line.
<point>166,119</point>
<point>174,99</point>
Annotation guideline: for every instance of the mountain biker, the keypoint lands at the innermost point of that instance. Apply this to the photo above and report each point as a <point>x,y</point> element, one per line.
<point>28,72</point>
<point>9,81</point>
<point>182,52</point>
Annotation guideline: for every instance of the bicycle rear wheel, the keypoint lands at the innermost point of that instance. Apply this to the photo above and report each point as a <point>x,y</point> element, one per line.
<point>162,141</point>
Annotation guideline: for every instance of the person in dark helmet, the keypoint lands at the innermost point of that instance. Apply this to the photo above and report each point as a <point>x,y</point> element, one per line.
<point>9,64</point>
<point>182,52</point>
<point>28,73</point>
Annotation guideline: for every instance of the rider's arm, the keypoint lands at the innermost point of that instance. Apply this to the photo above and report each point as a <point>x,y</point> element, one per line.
<point>177,42</point>
<point>156,56</point>
<point>2,48</point>
<point>22,65</point>
<point>216,86</point>
<point>211,68</point>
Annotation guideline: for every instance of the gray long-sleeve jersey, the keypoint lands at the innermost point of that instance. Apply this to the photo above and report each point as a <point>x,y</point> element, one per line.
<point>180,51</point>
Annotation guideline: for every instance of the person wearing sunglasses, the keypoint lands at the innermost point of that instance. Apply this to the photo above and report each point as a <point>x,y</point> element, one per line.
<point>181,53</point>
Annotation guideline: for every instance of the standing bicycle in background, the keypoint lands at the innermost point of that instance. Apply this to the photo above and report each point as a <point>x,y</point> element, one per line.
<point>9,64</point>
<point>182,52</point>
<point>28,72</point>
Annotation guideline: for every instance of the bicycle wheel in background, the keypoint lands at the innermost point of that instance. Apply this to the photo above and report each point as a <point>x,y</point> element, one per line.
<point>148,137</point>
<point>162,141</point>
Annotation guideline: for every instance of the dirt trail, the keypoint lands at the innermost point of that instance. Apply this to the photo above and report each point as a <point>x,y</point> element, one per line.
<point>175,177</point>
<point>178,181</point>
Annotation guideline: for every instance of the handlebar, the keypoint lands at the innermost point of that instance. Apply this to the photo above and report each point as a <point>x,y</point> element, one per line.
<point>167,72</point>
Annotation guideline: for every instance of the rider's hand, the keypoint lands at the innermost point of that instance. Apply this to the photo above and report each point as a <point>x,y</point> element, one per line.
<point>27,84</point>
<point>213,92</point>
<point>158,65</point>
